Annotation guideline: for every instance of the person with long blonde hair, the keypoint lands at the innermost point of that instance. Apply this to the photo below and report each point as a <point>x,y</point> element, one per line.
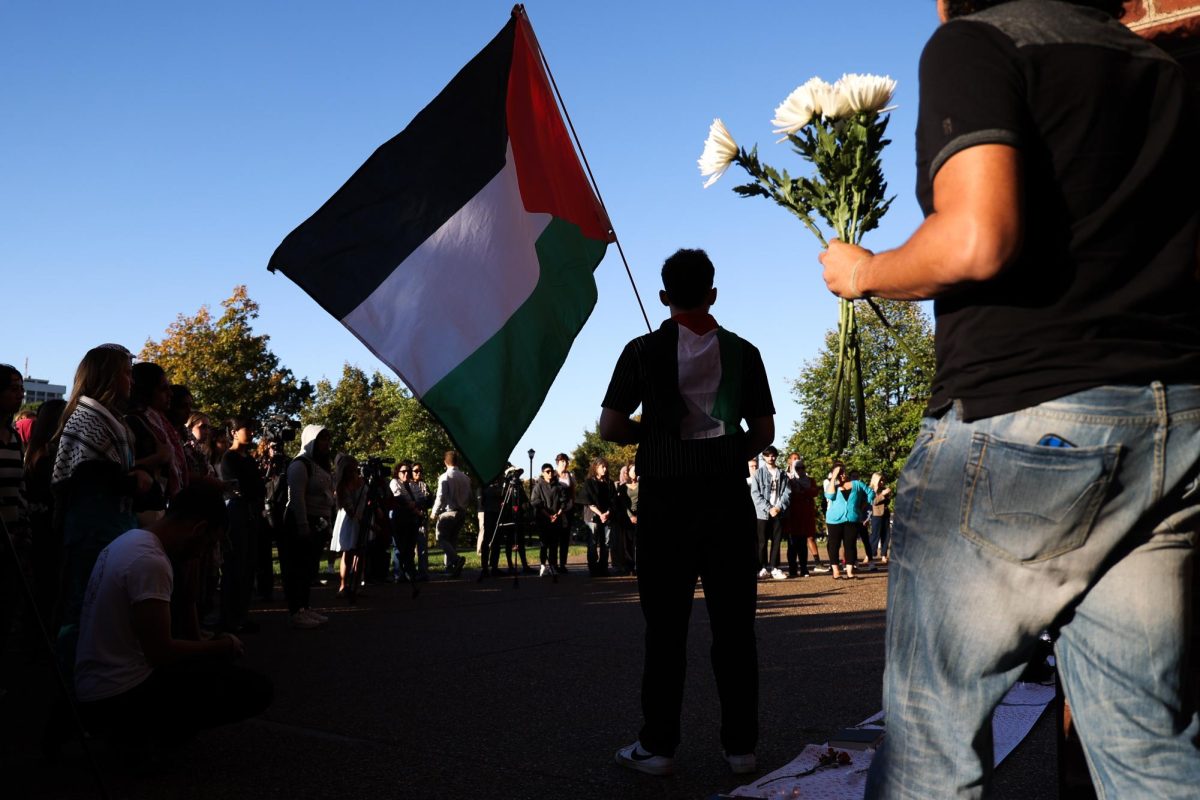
<point>94,477</point>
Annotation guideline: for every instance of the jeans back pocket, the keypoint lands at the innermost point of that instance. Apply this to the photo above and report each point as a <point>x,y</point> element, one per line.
<point>1028,503</point>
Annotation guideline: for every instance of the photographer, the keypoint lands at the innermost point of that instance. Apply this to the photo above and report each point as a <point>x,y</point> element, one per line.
<point>240,548</point>
<point>272,466</point>
<point>306,522</point>
<point>381,502</point>
<point>504,504</point>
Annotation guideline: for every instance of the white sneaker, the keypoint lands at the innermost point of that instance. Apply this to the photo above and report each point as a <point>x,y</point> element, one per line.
<point>544,571</point>
<point>320,619</point>
<point>778,574</point>
<point>741,764</point>
<point>763,573</point>
<point>302,620</point>
<point>820,570</point>
<point>634,757</point>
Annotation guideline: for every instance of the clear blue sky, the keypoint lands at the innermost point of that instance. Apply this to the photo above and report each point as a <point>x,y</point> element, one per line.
<point>152,155</point>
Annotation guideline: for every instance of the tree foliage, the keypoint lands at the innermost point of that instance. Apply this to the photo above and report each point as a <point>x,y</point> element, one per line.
<point>895,390</point>
<point>377,416</point>
<point>228,368</point>
<point>592,446</point>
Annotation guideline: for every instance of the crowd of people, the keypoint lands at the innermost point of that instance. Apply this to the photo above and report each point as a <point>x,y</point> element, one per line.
<point>116,486</point>
<point>785,505</point>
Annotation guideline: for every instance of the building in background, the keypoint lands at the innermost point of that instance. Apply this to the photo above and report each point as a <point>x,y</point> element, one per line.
<point>39,391</point>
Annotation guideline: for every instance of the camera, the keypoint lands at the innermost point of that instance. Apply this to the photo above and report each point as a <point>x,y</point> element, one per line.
<point>376,469</point>
<point>513,476</point>
<point>278,428</point>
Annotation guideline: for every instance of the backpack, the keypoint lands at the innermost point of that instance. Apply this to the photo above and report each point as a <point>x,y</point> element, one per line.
<point>277,493</point>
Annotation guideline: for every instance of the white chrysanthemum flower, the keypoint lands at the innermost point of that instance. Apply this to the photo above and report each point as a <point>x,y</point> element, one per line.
<point>719,152</point>
<point>866,92</point>
<point>830,101</point>
<point>798,108</point>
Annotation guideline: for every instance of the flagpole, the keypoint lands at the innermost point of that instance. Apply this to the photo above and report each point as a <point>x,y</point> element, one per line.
<point>519,11</point>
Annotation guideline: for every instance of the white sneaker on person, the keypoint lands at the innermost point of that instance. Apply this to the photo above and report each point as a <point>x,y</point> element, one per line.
<point>302,620</point>
<point>321,619</point>
<point>741,764</point>
<point>763,573</point>
<point>778,574</point>
<point>820,570</point>
<point>544,571</point>
<point>634,757</point>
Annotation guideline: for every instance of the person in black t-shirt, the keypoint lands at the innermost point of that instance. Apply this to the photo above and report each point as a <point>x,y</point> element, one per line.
<point>1054,477</point>
<point>695,382</point>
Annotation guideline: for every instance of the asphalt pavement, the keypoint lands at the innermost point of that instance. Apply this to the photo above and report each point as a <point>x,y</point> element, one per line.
<point>500,689</point>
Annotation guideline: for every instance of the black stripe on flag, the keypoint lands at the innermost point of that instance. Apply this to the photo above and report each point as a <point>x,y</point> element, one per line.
<point>407,189</point>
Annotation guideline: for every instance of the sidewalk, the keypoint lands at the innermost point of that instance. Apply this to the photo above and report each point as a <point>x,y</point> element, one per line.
<point>483,690</point>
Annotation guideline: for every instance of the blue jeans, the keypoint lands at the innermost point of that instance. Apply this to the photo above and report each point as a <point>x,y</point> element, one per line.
<point>997,538</point>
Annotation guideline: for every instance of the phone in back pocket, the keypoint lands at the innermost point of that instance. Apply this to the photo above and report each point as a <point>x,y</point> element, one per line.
<point>1054,440</point>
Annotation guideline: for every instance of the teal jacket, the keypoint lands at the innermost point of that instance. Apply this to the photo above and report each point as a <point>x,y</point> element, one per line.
<point>849,509</point>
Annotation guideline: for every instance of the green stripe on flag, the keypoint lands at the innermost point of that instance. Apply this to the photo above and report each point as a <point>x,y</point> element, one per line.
<point>485,401</point>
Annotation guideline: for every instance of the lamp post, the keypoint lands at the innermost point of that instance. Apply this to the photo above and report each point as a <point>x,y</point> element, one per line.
<point>530,454</point>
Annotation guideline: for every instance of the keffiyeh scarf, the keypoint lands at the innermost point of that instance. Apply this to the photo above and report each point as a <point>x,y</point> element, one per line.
<point>91,434</point>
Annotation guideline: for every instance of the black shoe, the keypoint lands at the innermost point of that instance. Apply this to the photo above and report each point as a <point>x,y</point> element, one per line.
<point>528,570</point>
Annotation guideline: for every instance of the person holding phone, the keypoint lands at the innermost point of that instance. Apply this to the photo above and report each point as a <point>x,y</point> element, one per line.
<point>846,500</point>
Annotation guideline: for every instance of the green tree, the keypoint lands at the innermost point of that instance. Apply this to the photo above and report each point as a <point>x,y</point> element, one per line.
<point>895,390</point>
<point>411,432</point>
<point>229,369</point>
<point>592,446</point>
<point>377,416</point>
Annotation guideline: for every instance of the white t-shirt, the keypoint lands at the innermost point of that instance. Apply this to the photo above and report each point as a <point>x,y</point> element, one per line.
<point>109,659</point>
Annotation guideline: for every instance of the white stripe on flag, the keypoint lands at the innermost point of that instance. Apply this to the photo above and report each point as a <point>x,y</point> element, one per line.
<point>457,289</point>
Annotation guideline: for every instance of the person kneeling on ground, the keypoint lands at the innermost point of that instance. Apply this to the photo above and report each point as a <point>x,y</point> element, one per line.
<point>132,679</point>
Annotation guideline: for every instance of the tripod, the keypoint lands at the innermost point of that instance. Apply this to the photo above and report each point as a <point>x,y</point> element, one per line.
<point>511,487</point>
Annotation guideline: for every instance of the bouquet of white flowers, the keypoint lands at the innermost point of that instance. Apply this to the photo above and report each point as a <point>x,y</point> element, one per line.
<point>839,128</point>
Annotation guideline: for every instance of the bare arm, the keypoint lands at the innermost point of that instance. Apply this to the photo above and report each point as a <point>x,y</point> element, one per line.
<point>760,432</point>
<point>973,233</point>
<point>616,427</point>
<point>152,625</point>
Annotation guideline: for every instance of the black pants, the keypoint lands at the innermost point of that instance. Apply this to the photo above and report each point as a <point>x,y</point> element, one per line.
<point>843,534</point>
<point>564,540</point>
<point>797,552</point>
<point>264,562</point>
<point>237,564</point>
<point>622,547</point>
<point>687,530</point>
<point>497,539</point>
<point>404,542</point>
<point>548,532</point>
<point>770,533</point>
<point>179,699</point>
<point>298,560</point>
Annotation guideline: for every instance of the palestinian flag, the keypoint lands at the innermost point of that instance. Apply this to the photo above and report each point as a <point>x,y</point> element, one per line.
<point>461,253</point>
